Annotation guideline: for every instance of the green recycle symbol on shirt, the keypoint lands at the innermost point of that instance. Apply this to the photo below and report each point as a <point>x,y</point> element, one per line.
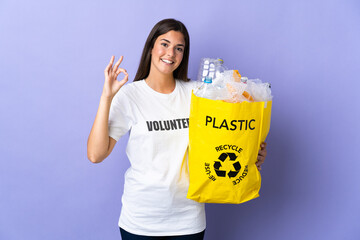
<point>220,169</point>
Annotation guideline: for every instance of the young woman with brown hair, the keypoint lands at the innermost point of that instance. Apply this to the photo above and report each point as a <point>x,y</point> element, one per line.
<point>155,110</point>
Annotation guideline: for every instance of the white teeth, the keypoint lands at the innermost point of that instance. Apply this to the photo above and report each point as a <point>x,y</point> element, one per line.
<point>167,61</point>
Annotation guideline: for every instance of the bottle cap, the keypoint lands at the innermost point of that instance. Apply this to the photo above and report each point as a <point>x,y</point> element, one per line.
<point>220,60</point>
<point>208,79</point>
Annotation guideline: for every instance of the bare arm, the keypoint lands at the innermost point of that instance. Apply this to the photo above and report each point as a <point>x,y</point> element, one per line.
<point>99,144</point>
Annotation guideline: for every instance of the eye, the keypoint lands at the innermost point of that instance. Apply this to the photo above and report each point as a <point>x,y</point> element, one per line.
<point>180,49</point>
<point>164,44</point>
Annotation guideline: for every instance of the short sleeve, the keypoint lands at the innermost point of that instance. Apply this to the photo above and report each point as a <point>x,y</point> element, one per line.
<point>193,85</point>
<point>120,119</point>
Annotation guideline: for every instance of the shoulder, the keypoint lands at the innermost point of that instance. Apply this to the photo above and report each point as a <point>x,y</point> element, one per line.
<point>132,86</point>
<point>128,91</point>
<point>190,85</point>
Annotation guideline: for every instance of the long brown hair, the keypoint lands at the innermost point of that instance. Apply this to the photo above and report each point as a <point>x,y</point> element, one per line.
<point>161,28</point>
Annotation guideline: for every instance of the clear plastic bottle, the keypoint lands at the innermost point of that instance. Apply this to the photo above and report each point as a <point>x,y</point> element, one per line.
<point>219,67</point>
<point>210,67</point>
<point>206,89</point>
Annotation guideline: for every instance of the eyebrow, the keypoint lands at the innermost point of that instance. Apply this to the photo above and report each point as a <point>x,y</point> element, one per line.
<point>170,42</point>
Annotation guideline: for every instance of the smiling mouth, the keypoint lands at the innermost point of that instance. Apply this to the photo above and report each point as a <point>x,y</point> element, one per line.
<point>167,61</point>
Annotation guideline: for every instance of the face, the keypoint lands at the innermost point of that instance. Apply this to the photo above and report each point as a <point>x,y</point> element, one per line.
<point>167,52</point>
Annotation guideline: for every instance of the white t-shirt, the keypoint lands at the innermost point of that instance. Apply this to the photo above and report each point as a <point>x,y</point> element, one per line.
<point>154,202</point>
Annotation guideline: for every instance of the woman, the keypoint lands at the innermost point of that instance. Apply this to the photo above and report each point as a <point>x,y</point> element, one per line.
<point>155,109</point>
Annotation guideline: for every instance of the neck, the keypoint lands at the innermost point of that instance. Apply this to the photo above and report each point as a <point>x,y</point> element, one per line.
<point>161,83</point>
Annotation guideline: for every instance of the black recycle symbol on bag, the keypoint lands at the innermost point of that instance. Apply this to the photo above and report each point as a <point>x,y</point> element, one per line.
<point>222,158</point>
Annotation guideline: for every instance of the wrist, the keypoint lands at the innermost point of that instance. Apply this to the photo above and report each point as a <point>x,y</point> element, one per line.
<point>106,98</point>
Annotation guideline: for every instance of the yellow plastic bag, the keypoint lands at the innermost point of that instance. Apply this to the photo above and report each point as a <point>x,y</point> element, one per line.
<point>224,142</point>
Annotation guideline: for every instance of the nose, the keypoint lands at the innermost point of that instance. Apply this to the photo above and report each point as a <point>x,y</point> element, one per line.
<point>170,52</point>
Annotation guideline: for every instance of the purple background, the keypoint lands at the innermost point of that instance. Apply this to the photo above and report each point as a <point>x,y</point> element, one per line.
<point>52,57</point>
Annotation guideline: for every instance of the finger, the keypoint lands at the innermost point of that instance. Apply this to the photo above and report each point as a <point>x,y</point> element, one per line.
<point>259,163</point>
<point>260,160</point>
<point>117,64</point>
<point>123,81</point>
<point>262,153</point>
<point>112,60</point>
<point>120,70</point>
<point>110,63</point>
<point>263,145</point>
<point>106,71</point>
<point>258,167</point>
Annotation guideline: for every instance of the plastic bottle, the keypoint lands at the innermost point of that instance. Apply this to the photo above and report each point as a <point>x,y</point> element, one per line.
<point>219,67</point>
<point>206,89</point>
<point>210,67</point>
